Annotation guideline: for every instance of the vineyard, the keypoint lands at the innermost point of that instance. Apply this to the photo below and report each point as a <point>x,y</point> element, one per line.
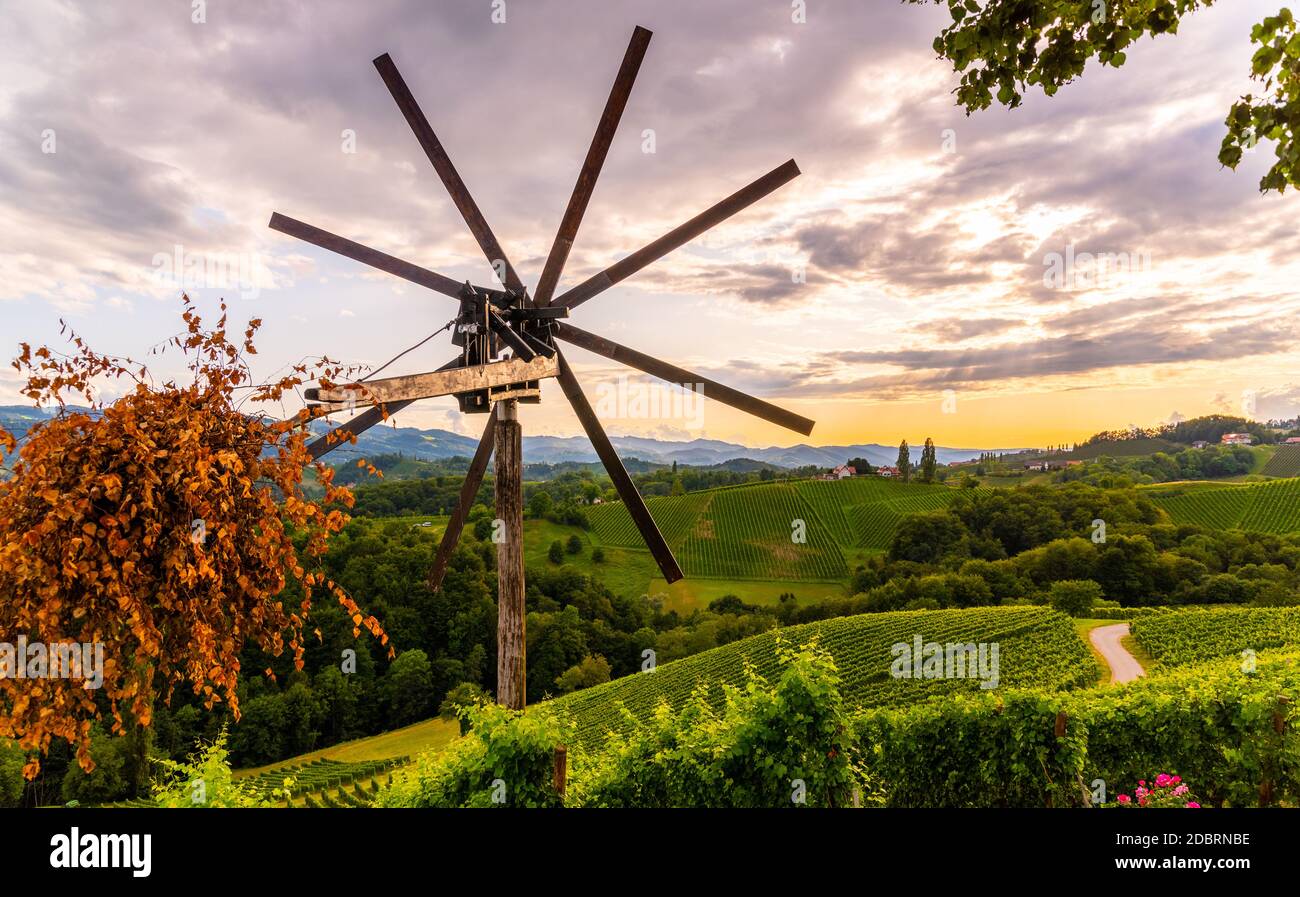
<point>1037,647</point>
<point>318,783</point>
<point>1272,507</point>
<point>752,531</point>
<point>1195,634</point>
<point>1284,463</point>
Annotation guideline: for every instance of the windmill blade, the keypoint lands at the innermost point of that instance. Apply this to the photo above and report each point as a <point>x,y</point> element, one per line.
<point>591,166</point>
<point>632,500</point>
<point>362,422</point>
<point>367,256</point>
<point>451,179</point>
<point>673,374</point>
<point>679,236</point>
<point>468,489</point>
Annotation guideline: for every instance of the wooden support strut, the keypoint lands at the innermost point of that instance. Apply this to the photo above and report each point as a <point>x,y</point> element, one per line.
<point>435,383</point>
<point>509,534</point>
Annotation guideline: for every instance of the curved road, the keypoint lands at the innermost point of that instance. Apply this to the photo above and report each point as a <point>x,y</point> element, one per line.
<point>1123,666</point>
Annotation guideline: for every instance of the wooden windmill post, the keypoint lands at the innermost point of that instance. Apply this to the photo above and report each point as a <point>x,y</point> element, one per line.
<point>486,380</point>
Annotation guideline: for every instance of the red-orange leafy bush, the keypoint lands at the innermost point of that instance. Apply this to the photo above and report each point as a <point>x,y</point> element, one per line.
<point>162,526</point>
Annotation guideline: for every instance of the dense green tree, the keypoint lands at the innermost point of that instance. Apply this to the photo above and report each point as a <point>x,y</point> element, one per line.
<point>928,461</point>
<point>1075,597</point>
<point>409,684</point>
<point>928,538</point>
<point>110,780</point>
<point>904,462</point>
<point>12,760</point>
<point>591,670</point>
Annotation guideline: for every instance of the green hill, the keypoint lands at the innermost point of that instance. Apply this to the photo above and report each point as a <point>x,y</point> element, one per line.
<point>1036,647</point>
<point>1284,462</point>
<point>1271,507</point>
<point>753,531</point>
<point>1193,635</point>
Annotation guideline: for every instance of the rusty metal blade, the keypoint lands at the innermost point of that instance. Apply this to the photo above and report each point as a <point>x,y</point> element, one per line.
<point>632,500</point>
<point>679,236</point>
<point>468,489</point>
<point>673,374</point>
<point>591,166</point>
<point>451,179</point>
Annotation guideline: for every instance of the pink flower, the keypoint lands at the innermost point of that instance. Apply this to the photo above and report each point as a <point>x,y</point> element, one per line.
<point>1142,781</point>
<point>1181,789</point>
<point>1177,779</point>
<point>1123,798</point>
<point>1162,780</point>
<point>1193,805</point>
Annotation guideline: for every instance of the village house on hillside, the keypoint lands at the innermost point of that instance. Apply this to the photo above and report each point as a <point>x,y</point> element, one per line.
<point>1291,440</point>
<point>886,471</point>
<point>1237,439</point>
<point>840,473</point>
<point>1200,443</point>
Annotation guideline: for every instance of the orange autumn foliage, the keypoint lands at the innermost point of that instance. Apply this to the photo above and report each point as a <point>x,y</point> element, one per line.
<point>99,541</point>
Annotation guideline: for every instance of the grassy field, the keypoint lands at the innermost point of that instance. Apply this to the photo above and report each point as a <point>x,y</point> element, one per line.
<point>406,742</point>
<point>686,595</point>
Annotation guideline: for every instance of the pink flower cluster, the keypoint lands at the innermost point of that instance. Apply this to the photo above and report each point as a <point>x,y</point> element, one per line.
<point>1165,791</point>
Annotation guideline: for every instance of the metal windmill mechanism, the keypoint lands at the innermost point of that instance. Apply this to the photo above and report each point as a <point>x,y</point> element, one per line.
<point>494,322</point>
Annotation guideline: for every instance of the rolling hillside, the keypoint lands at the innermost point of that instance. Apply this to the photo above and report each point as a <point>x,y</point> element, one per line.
<point>1036,647</point>
<point>1271,507</point>
<point>1285,462</point>
<point>749,532</point>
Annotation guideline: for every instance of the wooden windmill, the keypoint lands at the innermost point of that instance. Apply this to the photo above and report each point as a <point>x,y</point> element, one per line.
<point>491,321</point>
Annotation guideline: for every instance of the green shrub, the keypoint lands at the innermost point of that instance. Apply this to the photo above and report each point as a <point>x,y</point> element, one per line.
<point>205,780</point>
<point>507,759</point>
<point>781,746</point>
<point>1236,734</point>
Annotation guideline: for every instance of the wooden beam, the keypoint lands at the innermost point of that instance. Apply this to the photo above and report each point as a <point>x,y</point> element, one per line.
<point>511,656</point>
<point>678,236</point>
<point>451,179</point>
<point>632,500</point>
<point>591,166</point>
<point>468,490</point>
<point>435,383</point>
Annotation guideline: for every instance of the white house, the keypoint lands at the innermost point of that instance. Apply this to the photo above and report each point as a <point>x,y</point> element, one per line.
<point>1237,439</point>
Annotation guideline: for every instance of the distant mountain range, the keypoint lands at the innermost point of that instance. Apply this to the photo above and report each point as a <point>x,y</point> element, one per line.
<point>435,444</point>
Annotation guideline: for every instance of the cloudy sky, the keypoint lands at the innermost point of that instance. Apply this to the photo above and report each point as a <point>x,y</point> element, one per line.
<point>1012,278</point>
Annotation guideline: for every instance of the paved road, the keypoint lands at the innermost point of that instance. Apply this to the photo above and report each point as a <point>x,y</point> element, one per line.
<point>1123,666</point>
